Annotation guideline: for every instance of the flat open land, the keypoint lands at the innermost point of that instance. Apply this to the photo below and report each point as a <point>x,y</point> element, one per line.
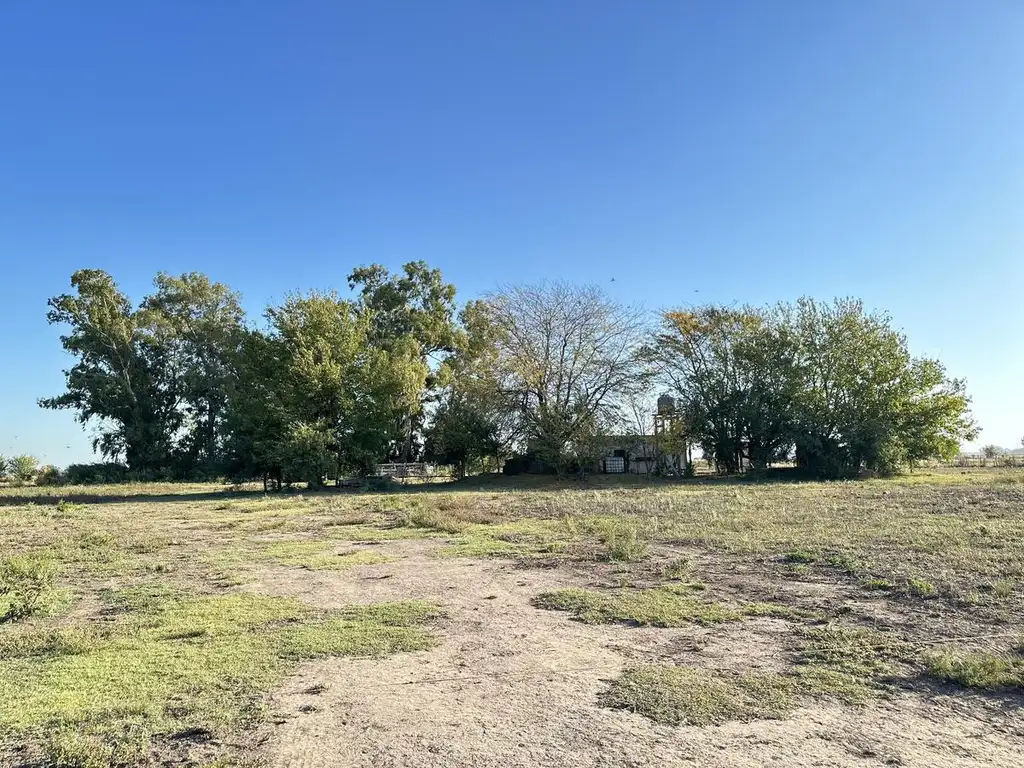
<point>529,623</point>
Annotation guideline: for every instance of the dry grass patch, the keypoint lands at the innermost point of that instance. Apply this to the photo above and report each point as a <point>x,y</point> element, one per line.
<point>687,696</point>
<point>316,555</point>
<point>851,663</point>
<point>983,671</point>
<point>640,607</point>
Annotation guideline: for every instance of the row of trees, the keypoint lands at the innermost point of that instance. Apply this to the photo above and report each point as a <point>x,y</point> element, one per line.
<point>830,385</point>
<point>181,385</point>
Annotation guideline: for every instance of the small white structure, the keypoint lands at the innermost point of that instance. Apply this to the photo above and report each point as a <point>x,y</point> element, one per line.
<point>639,456</point>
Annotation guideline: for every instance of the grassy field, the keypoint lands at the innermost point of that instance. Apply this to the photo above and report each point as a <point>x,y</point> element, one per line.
<point>133,632</point>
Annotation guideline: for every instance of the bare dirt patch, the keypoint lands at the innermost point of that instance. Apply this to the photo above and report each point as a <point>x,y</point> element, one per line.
<point>510,685</point>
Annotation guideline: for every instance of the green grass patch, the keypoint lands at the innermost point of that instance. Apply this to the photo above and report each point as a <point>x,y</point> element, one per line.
<point>1002,589</point>
<point>28,586</point>
<point>836,684</point>
<point>921,587</point>
<point>780,611</point>
<point>676,569</point>
<point>433,520</point>
<point>49,642</point>
<point>377,533</point>
<point>658,607</point>
<point>624,539</point>
<point>175,664</point>
<point>983,671</point>
<point>850,663</point>
<point>880,585</point>
<point>687,696</point>
<point>800,556</point>
<point>316,555</point>
<point>521,538</point>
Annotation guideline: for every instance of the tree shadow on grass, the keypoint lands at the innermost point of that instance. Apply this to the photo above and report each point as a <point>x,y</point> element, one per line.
<point>490,483</point>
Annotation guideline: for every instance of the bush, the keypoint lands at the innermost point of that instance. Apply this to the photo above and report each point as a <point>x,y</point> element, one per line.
<point>50,475</point>
<point>96,474</point>
<point>22,469</point>
<point>26,582</point>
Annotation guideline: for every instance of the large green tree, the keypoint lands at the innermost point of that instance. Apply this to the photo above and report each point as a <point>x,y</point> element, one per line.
<point>198,324</point>
<point>121,380</point>
<point>732,371</point>
<point>317,395</point>
<point>473,421</point>
<point>415,306</point>
<point>831,385</point>
<point>864,401</point>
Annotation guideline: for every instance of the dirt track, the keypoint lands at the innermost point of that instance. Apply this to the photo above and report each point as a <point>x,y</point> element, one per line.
<point>510,685</point>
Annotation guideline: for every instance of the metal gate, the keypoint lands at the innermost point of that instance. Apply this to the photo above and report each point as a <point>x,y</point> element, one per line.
<point>614,465</point>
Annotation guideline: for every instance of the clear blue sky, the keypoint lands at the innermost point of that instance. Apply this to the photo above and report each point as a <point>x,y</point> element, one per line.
<point>751,151</point>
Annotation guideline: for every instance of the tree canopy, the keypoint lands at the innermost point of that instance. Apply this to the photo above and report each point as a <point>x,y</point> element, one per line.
<point>830,385</point>
<point>181,385</point>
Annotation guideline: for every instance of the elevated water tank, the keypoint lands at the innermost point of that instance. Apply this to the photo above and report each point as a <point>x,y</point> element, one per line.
<point>666,405</point>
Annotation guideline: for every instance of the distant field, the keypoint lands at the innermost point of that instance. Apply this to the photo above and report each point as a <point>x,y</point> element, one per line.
<point>517,621</point>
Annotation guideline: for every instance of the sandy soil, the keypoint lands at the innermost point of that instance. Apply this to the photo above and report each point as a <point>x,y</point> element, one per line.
<point>510,685</point>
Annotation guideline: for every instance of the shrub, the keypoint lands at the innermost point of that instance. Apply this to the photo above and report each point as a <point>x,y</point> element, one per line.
<point>26,581</point>
<point>50,475</point>
<point>22,469</point>
<point>96,474</point>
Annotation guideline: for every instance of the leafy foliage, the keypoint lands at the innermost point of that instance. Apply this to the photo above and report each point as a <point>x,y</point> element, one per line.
<point>414,307</point>
<point>50,475</point>
<point>832,385</point>
<point>122,378</point>
<point>22,469</point>
<point>316,395</point>
<point>198,326</point>
<point>178,387</point>
<point>461,433</point>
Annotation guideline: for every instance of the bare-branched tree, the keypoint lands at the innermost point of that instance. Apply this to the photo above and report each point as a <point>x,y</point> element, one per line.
<point>566,358</point>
